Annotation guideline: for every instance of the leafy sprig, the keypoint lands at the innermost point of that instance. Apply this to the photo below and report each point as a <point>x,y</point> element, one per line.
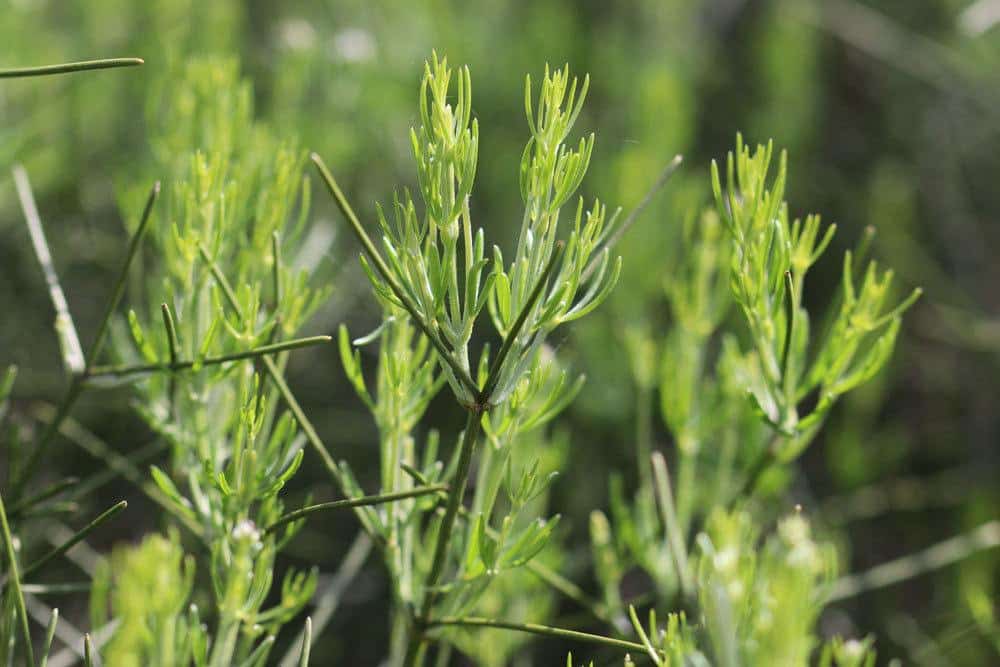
<point>434,277</point>
<point>772,255</point>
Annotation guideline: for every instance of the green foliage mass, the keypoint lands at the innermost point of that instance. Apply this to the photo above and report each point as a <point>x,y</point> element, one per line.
<point>639,487</point>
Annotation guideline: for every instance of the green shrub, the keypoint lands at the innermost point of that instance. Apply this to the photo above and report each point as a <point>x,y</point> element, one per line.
<point>746,378</point>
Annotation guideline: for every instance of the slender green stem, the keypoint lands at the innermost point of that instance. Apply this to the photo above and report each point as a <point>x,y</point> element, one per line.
<point>508,342</point>
<point>224,644</point>
<point>637,625</point>
<point>50,633</point>
<point>62,412</point>
<point>466,449</point>
<point>220,278</point>
<point>863,248</point>
<point>789,377</point>
<point>67,68</point>
<point>73,541</point>
<point>289,398</point>
<point>45,494</point>
<point>115,462</point>
<point>536,629</point>
<point>173,345</point>
<point>568,588</point>
<point>467,446</point>
<point>306,643</point>
<point>62,588</point>
<point>276,376</point>
<point>120,371</point>
<point>345,208</point>
<point>119,290</point>
<point>675,535</point>
<point>363,501</point>
<point>558,582</point>
<point>15,582</point>
<point>172,342</point>
<point>88,650</point>
<point>942,554</point>
<point>633,216</point>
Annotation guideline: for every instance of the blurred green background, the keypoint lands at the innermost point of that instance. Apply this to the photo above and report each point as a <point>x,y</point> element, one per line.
<point>890,112</point>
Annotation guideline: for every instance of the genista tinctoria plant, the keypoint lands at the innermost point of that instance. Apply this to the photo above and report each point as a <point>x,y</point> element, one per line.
<point>434,277</point>
<point>750,597</point>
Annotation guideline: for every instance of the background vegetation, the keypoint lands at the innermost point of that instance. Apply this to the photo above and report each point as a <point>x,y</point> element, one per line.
<point>888,111</point>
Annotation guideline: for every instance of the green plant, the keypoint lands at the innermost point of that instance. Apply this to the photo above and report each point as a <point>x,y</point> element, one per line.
<point>434,273</point>
<point>756,598</point>
<point>230,445</point>
<point>236,205</point>
<point>218,274</point>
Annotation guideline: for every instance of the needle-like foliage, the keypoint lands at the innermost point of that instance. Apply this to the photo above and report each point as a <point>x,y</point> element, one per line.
<point>742,397</point>
<point>220,281</point>
<point>434,277</point>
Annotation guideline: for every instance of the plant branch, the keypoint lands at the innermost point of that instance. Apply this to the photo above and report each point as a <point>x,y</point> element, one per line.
<point>508,342</point>
<point>942,554</point>
<point>633,216</point>
<point>345,208</point>
<point>363,501</point>
<point>275,374</point>
<point>558,582</point>
<point>536,629</point>
<point>116,463</point>
<point>47,493</point>
<point>467,446</point>
<point>220,278</point>
<point>187,364</point>
<point>68,68</point>
<point>293,405</point>
<point>119,290</point>
<point>171,330</point>
<point>76,538</point>
<point>675,537</point>
<point>61,588</point>
<point>15,581</point>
